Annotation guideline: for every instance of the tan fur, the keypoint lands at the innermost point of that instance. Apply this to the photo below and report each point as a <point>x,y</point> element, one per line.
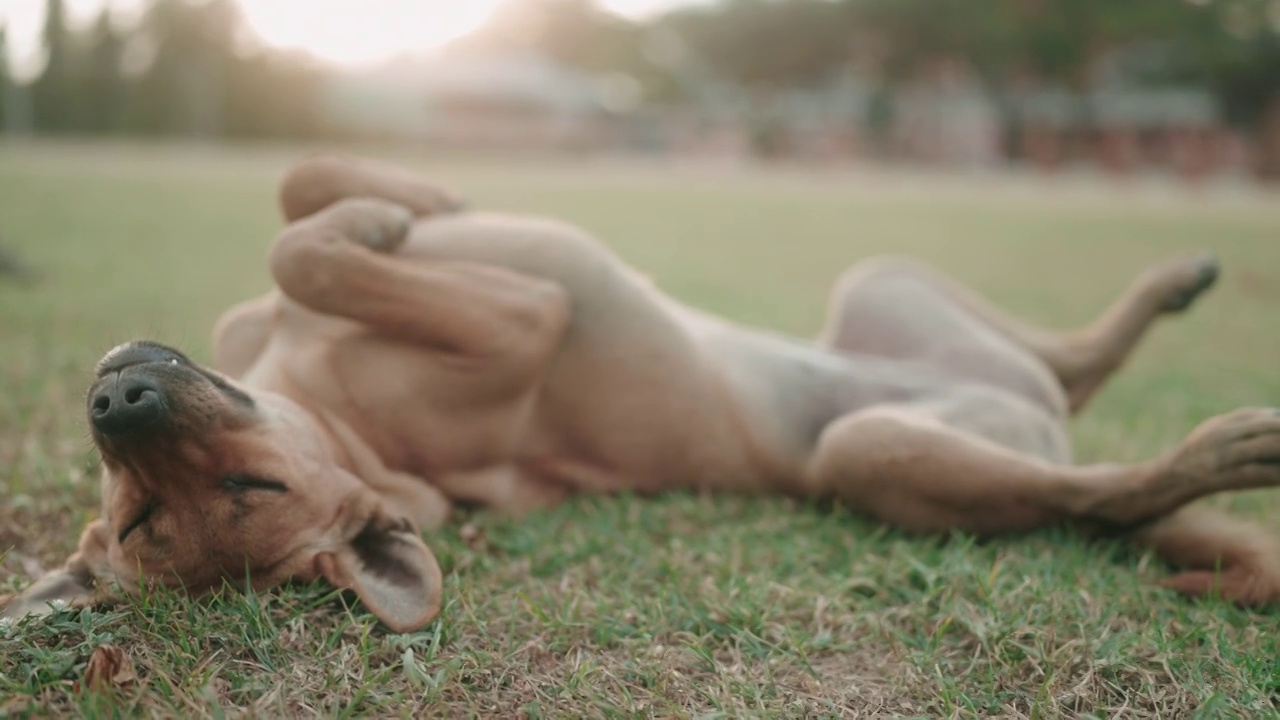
<point>415,356</point>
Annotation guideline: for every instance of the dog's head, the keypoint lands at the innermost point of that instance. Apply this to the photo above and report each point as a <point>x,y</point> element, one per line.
<point>206,482</point>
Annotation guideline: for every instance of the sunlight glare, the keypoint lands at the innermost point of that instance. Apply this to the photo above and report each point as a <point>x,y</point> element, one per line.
<point>344,32</point>
<point>357,32</point>
<point>361,32</point>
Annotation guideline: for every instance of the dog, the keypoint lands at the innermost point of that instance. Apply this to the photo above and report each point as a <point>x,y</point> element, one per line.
<point>416,355</point>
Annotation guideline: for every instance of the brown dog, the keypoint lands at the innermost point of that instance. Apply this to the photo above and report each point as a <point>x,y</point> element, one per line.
<point>417,355</point>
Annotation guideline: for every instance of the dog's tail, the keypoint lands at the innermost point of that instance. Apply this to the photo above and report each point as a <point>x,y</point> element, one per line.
<point>1219,554</point>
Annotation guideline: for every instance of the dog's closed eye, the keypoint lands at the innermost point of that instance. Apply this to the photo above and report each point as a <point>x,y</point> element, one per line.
<point>241,481</point>
<point>141,517</point>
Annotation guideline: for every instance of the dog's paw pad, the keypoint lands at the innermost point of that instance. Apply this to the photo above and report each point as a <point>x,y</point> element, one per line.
<point>1201,273</point>
<point>390,231</point>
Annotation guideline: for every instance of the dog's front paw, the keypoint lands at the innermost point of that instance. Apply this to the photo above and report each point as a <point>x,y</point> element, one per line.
<point>380,225</point>
<point>60,588</point>
<point>387,235</point>
<point>16,607</point>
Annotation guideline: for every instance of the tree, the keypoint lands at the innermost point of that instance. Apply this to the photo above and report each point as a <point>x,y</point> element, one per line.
<point>52,92</point>
<point>98,76</point>
<point>769,44</point>
<point>15,100</point>
<point>1237,53</point>
<point>275,94</point>
<point>186,84</point>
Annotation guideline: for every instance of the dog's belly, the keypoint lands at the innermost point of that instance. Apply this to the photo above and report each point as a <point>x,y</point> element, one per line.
<point>789,390</point>
<point>642,394</point>
<point>631,399</point>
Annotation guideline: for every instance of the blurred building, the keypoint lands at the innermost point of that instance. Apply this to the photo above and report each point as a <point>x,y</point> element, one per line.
<point>488,101</point>
<point>1124,130</point>
<point>944,116</point>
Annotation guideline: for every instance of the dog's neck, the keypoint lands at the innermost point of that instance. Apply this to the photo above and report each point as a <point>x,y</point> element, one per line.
<point>349,450</point>
<point>342,441</point>
<point>332,433</point>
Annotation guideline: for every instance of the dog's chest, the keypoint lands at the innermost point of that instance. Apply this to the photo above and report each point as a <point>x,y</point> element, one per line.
<point>420,414</point>
<point>521,485</point>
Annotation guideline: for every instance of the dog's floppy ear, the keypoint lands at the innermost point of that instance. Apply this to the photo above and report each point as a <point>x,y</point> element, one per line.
<point>73,584</point>
<point>391,570</point>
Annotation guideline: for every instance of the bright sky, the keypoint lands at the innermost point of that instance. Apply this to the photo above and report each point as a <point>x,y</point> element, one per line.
<point>348,32</point>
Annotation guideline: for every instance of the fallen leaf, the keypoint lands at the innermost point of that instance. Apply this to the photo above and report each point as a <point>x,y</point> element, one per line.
<point>109,667</point>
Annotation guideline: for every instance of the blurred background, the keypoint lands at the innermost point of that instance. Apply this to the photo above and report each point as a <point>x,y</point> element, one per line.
<point>1188,89</point>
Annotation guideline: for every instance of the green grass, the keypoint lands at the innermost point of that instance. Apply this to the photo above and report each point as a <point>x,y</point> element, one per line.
<point>677,606</point>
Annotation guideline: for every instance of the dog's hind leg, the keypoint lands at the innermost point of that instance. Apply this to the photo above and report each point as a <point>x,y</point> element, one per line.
<point>1237,558</point>
<point>1081,360</point>
<point>910,468</point>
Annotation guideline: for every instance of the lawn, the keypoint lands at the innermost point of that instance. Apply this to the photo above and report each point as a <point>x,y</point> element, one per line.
<point>676,606</point>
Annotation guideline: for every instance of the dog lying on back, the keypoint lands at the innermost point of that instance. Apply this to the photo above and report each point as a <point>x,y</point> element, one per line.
<point>416,355</point>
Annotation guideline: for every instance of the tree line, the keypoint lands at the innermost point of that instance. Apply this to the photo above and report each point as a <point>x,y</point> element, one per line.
<point>181,70</point>
<point>186,70</point>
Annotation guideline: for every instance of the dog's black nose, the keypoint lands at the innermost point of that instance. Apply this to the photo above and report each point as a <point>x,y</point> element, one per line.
<point>126,405</point>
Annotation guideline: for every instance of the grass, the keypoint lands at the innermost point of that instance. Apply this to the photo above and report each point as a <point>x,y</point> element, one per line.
<point>682,605</point>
